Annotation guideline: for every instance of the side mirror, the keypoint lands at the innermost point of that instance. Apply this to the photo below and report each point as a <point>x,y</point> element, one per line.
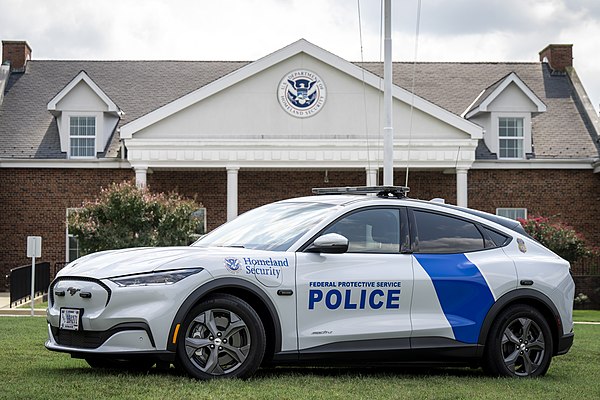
<point>332,243</point>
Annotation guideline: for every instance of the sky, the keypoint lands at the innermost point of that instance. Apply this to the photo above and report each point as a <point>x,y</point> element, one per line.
<point>449,30</point>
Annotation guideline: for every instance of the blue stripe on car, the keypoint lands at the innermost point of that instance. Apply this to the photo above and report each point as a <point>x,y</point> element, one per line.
<point>462,291</point>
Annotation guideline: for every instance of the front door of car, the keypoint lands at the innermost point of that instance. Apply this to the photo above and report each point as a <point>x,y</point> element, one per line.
<point>362,295</point>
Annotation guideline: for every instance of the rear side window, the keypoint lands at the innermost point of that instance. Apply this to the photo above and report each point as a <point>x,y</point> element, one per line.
<point>438,233</point>
<point>498,239</point>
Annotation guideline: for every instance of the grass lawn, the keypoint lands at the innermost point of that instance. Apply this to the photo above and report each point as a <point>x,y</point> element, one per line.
<point>586,315</point>
<point>29,371</point>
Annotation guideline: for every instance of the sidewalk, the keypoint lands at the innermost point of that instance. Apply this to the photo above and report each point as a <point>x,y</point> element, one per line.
<point>5,308</point>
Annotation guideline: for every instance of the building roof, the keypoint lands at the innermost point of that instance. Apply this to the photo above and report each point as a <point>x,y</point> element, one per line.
<point>28,130</point>
<point>455,86</point>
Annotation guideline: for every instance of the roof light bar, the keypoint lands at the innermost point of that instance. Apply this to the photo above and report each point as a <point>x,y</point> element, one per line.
<point>381,191</point>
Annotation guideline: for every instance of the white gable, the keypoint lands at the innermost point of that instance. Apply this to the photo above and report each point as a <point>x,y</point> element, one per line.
<point>82,89</point>
<point>250,109</point>
<point>509,89</point>
<point>512,99</point>
<point>238,119</point>
<point>82,98</point>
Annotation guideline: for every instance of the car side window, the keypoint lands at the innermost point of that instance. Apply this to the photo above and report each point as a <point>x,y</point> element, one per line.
<point>370,231</point>
<point>438,233</point>
<point>497,239</point>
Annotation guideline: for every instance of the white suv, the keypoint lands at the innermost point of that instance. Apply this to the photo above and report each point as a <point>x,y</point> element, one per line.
<point>343,277</point>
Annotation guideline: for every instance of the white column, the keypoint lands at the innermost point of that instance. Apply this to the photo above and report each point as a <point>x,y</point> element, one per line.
<point>232,192</point>
<point>461,187</point>
<point>140,176</point>
<point>371,176</point>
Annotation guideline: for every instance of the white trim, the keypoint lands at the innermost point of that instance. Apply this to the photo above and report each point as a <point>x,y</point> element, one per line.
<point>286,154</point>
<point>511,78</point>
<point>107,163</point>
<point>534,164</point>
<point>83,76</point>
<point>300,46</point>
<point>464,113</point>
<point>102,163</point>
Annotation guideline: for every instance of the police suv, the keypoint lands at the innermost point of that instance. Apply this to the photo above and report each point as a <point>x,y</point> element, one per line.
<point>353,275</point>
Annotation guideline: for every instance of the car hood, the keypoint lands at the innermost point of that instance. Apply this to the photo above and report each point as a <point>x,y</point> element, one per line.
<point>263,265</point>
<point>113,263</point>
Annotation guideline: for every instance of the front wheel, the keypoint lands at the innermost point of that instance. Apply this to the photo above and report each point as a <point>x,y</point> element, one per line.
<point>519,344</point>
<point>224,338</point>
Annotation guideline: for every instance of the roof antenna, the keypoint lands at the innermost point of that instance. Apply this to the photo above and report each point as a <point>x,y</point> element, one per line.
<point>412,94</point>
<point>362,61</point>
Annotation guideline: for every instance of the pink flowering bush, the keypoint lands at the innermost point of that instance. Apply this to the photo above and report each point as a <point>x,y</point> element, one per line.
<point>558,237</point>
<point>127,216</point>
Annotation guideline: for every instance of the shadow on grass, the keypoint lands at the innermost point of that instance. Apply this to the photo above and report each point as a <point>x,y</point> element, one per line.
<point>368,371</point>
<point>291,371</point>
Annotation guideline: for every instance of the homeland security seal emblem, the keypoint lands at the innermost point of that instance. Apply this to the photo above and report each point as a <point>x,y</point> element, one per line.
<point>302,93</point>
<point>233,265</point>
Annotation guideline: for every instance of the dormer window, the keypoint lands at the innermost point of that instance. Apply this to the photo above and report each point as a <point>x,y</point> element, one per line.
<point>86,118</point>
<point>82,136</point>
<point>505,110</point>
<point>510,137</point>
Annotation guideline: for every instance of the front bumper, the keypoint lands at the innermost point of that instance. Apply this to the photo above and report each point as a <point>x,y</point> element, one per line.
<point>118,344</point>
<point>114,319</point>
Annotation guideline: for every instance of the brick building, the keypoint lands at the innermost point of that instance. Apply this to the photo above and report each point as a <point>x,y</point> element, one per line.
<point>515,139</point>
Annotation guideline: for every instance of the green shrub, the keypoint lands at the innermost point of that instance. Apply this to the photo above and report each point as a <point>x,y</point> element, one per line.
<point>558,237</point>
<point>127,216</point>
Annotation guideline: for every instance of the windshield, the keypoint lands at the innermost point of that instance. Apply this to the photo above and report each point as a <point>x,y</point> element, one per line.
<point>273,227</point>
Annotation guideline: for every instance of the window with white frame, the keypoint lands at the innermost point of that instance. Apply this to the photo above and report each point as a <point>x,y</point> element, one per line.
<point>82,136</point>
<point>510,136</point>
<point>200,217</point>
<point>512,213</point>
<point>72,252</point>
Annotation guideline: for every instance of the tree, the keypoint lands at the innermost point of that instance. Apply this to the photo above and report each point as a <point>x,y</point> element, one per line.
<point>127,216</point>
<point>558,237</point>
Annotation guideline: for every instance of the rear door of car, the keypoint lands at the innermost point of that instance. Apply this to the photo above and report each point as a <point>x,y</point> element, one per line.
<point>460,270</point>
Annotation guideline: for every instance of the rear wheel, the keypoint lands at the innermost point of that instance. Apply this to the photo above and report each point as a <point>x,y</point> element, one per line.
<point>224,337</point>
<point>520,343</point>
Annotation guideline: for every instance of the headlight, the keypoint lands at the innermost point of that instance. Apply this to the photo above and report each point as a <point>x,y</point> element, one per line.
<point>155,278</point>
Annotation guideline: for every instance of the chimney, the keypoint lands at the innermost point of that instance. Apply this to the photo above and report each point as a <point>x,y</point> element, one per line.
<point>17,53</point>
<point>558,56</point>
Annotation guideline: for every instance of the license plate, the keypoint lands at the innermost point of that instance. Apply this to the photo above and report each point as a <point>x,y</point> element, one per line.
<point>70,318</point>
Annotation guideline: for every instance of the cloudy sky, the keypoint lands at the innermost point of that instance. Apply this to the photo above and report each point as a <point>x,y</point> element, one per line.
<point>450,30</point>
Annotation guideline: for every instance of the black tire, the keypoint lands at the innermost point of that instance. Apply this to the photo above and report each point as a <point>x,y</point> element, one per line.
<point>133,365</point>
<point>222,337</point>
<point>519,344</point>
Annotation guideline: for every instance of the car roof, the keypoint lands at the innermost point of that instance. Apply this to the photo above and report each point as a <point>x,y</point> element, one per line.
<point>346,199</point>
